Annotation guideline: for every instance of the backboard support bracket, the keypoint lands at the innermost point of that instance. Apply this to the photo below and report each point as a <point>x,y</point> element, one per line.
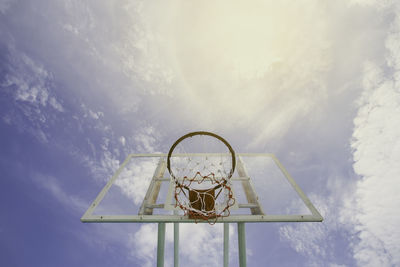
<point>149,201</point>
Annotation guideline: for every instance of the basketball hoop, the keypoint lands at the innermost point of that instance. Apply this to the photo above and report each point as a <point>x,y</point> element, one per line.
<point>202,180</point>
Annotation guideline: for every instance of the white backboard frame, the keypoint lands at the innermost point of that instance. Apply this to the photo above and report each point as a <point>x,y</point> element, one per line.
<point>144,217</point>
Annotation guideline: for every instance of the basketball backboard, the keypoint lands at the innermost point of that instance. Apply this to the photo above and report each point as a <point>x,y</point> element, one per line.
<point>140,191</point>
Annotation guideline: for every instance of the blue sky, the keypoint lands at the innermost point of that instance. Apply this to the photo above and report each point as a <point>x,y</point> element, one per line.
<point>85,83</point>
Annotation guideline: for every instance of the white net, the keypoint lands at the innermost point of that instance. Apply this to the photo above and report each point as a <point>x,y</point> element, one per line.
<point>202,165</point>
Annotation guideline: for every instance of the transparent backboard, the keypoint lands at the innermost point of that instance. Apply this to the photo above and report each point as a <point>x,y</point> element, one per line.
<point>141,191</point>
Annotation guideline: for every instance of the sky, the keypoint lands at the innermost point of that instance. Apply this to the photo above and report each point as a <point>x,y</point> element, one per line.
<point>85,83</point>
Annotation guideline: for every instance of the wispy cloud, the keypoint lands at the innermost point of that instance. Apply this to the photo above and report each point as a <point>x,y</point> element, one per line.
<point>31,89</point>
<point>52,186</point>
<point>87,112</point>
<point>5,5</point>
<point>319,242</point>
<point>144,46</point>
<point>31,82</point>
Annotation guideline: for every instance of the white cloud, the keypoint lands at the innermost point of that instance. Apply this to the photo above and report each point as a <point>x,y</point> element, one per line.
<point>101,169</point>
<point>144,243</point>
<point>87,112</point>
<point>135,178</point>
<point>55,104</point>
<point>318,242</point>
<point>143,46</point>
<point>372,3</point>
<point>70,28</point>
<point>376,152</point>
<point>376,155</point>
<point>31,82</point>
<point>122,140</point>
<point>146,140</point>
<point>199,244</point>
<point>109,162</point>
<point>80,16</point>
<point>32,89</point>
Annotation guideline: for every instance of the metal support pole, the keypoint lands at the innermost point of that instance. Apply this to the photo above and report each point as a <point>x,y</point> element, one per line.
<point>226,244</point>
<point>160,244</point>
<point>176,244</point>
<point>242,244</point>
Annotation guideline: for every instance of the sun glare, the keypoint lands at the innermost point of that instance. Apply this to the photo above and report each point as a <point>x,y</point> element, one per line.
<point>231,41</point>
<point>233,53</point>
